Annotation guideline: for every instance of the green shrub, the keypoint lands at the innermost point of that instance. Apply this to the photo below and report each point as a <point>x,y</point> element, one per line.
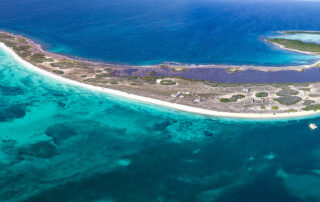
<point>38,58</point>
<point>234,98</point>
<point>287,91</point>
<point>109,70</point>
<point>301,32</point>
<point>67,64</point>
<point>314,95</point>
<point>22,48</point>
<point>262,94</point>
<point>63,64</point>
<point>22,40</point>
<point>101,75</point>
<point>288,100</point>
<point>58,71</point>
<point>24,53</point>
<point>9,44</point>
<point>225,100</point>
<point>149,79</point>
<point>312,107</point>
<point>297,45</point>
<point>305,89</point>
<point>308,102</point>
<point>114,82</point>
<point>164,66</point>
<point>136,84</point>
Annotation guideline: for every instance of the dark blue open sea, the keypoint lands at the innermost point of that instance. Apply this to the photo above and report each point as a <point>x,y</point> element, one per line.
<point>155,31</point>
<point>63,143</point>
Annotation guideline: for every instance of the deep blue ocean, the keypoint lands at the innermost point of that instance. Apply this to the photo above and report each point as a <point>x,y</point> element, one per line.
<point>63,143</point>
<point>155,31</point>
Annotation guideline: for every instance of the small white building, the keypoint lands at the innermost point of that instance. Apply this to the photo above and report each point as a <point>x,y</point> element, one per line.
<point>177,95</point>
<point>245,90</point>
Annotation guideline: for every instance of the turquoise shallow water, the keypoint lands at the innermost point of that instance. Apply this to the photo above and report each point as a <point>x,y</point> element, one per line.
<point>63,143</point>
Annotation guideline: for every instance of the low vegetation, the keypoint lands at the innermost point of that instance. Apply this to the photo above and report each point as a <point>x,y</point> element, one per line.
<point>92,80</point>
<point>287,92</point>
<point>297,45</point>
<point>275,107</point>
<point>109,70</point>
<point>9,43</point>
<point>102,75</point>
<point>38,58</point>
<point>150,78</point>
<point>301,85</point>
<point>262,94</point>
<point>58,71</point>
<point>308,102</point>
<point>293,110</point>
<point>164,66</point>
<point>23,51</point>
<point>314,95</point>
<point>22,40</point>
<point>67,64</point>
<point>312,107</point>
<point>288,100</point>
<point>22,48</point>
<point>114,82</point>
<point>305,89</point>
<point>301,32</point>
<point>63,64</point>
<point>234,98</point>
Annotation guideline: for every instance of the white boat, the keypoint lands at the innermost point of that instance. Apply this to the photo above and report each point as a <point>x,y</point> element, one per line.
<point>313,126</point>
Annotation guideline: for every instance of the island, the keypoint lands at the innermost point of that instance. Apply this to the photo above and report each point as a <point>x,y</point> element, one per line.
<point>163,84</point>
<point>297,45</point>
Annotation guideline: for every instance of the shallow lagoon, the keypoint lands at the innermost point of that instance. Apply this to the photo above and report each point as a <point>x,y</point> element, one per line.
<point>63,143</point>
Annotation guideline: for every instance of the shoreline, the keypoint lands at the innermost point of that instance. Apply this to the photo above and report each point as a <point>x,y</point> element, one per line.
<point>173,64</point>
<point>143,99</point>
<point>292,50</point>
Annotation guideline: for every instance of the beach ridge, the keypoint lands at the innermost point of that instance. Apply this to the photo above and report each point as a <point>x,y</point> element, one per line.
<point>175,106</point>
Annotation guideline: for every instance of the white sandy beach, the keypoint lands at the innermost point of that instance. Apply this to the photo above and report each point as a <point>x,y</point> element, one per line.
<point>156,101</point>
